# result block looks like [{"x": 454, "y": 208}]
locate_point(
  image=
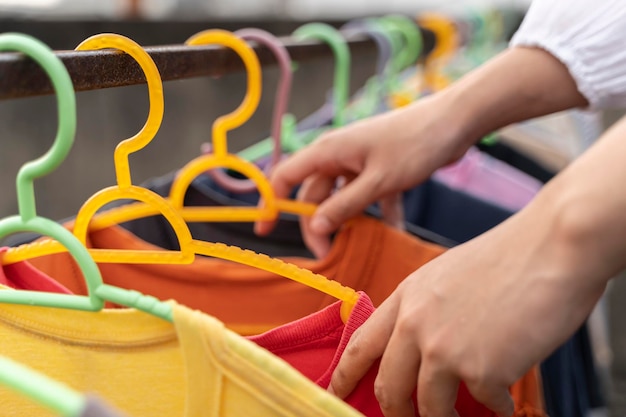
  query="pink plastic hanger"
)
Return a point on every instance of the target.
[{"x": 280, "y": 107}]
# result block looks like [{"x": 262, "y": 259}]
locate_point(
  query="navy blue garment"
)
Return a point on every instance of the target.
[
  {"x": 570, "y": 382},
  {"x": 451, "y": 213}
]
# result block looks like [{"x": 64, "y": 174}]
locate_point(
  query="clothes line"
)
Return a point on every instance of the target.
[{"x": 93, "y": 70}]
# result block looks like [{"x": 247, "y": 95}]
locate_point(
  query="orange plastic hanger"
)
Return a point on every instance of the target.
[{"x": 172, "y": 208}]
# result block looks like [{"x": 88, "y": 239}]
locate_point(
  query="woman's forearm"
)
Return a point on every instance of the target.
[
  {"x": 519, "y": 84},
  {"x": 587, "y": 206}
]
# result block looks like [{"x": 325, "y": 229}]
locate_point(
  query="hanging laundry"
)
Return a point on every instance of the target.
[
  {"x": 146, "y": 366},
  {"x": 366, "y": 255},
  {"x": 487, "y": 178}
]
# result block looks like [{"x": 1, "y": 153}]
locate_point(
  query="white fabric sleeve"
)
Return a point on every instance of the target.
[{"x": 589, "y": 37}]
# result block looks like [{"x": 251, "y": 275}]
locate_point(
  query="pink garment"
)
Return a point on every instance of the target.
[{"x": 490, "y": 179}]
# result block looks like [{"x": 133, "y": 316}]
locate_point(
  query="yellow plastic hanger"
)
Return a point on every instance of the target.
[
  {"x": 220, "y": 158},
  {"x": 172, "y": 208},
  {"x": 446, "y": 45}
]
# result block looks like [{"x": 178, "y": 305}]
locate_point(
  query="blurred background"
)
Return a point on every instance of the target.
[{"x": 234, "y": 9}]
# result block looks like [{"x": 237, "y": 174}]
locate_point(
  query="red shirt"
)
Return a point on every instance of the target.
[
  {"x": 23, "y": 276},
  {"x": 314, "y": 345}
]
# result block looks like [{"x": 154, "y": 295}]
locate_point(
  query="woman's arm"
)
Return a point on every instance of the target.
[{"x": 384, "y": 155}]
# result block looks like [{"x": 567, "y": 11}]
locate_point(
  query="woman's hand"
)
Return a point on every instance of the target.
[
  {"x": 370, "y": 160},
  {"x": 483, "y": 313}
]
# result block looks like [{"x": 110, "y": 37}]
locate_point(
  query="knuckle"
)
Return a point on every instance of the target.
[
  {"x": 326, "y": 140},
  {"x": 277, "y": 173},
  {"x": 482, "y": 391},
  {"x": 479, "y": 382},
  {"x": 340, "y": 211},
  {"x": 307, "y": 188},
  {"x": 382, "y": 394},
  {"x": 339, "y": 378},
  {"x": 376, "y": 181},
  {"x": 354, "y": 347},
  {"x": 423, "y": 409},
  {"x": 402, "y": 286},
  {"x": 407, "y": 324},
  {"x": 469, "y": 374},
  {"x": 434, "y": 352},
  {"x": 359, "y": 348}
]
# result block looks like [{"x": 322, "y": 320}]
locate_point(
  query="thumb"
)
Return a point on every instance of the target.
[{"x": 345, "y": 203}]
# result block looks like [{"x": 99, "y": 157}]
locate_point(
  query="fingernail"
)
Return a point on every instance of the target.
[{"x": 321, "y": 225}]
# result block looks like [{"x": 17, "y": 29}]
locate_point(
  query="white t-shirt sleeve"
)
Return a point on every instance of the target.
[{"x": 589, "y": 37}]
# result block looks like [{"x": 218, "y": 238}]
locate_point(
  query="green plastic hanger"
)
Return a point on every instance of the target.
[
  {"x": 414, "y": 42},
  {"x": 399, "y": 55},
  {"x": 411, "y": 36},
  {"x": 52, "y": 394},
  {"x": 479, "y": 38},
  {"x": 341, "y": 84},
  {"x": 28, "y": 220}
]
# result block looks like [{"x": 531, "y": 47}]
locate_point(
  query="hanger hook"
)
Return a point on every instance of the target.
[
  {"x": 412, "y": 36},
  {"x": 66, "y": 104},
  {"x": 155, "y": 93},
  {"x": 341, "y": 50},
  {"x": 250, "y": 102},
  {"x": 446, "y": 42},
  {"x": 382, "y": 39},
  {"x": 387, "y": 52},
  {"x": 397, "y": 44}
]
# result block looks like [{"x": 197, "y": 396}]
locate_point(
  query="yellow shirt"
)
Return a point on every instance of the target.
[{"x": 148, "y": 367}]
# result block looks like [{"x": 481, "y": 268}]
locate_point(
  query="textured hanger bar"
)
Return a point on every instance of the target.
[{"x": 93, "y": 70}]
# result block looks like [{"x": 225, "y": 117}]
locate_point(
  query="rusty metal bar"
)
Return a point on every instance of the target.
[{"x": 91, "y": 70}]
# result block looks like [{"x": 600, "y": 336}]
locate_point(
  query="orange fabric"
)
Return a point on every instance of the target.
[
  {"x": 366, "y": 255},
  {"x": 528, "y": 395}
]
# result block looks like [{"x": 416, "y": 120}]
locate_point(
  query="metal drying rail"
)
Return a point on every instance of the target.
[{"x": 92, "y": 70}]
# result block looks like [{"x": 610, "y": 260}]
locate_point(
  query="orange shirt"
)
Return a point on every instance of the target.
[{"x": 366, "y": 255}]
